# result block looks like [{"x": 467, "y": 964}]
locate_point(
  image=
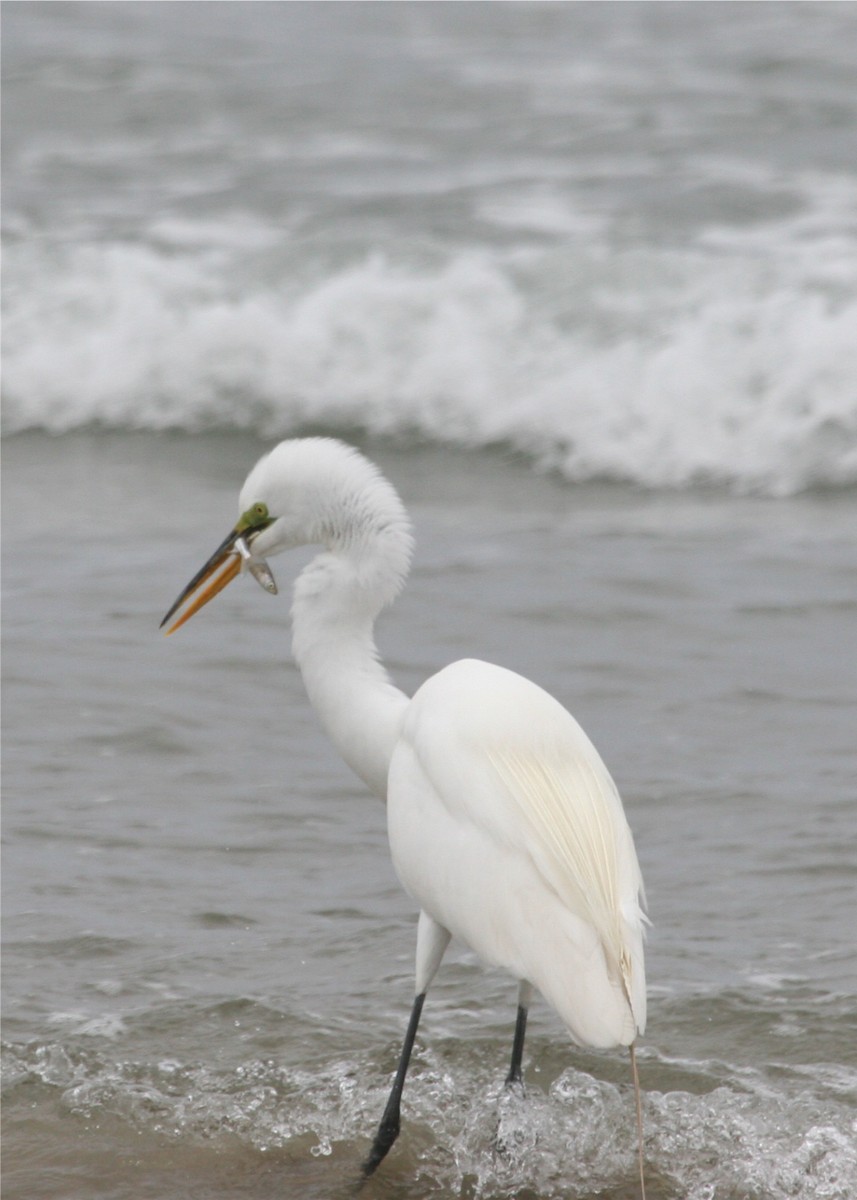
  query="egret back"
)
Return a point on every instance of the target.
[{"x": 507, "y": 828}]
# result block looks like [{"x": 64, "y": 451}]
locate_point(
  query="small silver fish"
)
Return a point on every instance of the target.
[{"x": 257, "y": 567}]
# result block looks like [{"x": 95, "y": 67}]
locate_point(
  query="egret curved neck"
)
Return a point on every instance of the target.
[{"x": 333, "y": 615}]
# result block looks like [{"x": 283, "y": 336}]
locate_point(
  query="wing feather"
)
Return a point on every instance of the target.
[
  {"x": 503, "y": 759},
  {"x": 574, "y": 817}
]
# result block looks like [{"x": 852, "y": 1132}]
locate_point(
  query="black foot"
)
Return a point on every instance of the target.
[
  {"x": 387, "y": 1133},
  {"x": 515, "y": 1083},
  {"x": 388, "y": 1130},
  {"x": 513, "y": 1133},
  {"x": 514, "y": 1080}
]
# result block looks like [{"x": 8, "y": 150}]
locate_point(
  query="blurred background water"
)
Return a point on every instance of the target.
[{"x": 581, "y": 278}]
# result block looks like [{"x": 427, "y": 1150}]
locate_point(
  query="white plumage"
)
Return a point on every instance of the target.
[
  {"x": 507, "y": 829},
  {"x": 504, "y": 823}
]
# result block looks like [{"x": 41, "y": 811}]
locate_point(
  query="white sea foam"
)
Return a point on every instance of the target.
[
  {"x": 107, "y": 1025},
  {"x": 733, "y": 361},
  {"x": 573, "y": 1140}
]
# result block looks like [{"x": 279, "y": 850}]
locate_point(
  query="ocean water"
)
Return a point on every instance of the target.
[{"x": 581, "y": 278}]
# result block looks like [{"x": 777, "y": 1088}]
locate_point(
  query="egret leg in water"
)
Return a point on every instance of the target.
[
  {"x": 504, "y": 823},
  {"x": 515, "y": 1076},
  {"x": 388, "y": 1130}
]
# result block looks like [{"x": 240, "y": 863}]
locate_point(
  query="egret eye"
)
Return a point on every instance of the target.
[{"x": 255, "y": 518}]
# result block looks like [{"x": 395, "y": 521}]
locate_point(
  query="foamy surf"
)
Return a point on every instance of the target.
[
  {"x": 662, "y": 368},
  {"x": 464, "y": 1135}
]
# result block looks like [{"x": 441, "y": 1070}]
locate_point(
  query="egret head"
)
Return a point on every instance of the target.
[
  {"x": 306, "y": 491},
  {"x": 235, "y": 551}
]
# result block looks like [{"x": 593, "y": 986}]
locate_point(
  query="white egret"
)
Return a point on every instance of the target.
[{"x": 504, "y": 824}]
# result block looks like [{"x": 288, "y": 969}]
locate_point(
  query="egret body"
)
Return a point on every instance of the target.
[{"x": 504, "y": 824}]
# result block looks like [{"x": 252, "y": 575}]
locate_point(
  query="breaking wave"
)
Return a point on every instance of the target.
[{"x": 715, "y": 364}]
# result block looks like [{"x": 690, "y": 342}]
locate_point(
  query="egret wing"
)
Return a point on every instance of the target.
[
  {"x": 505, "y": 758},
  {"x": 575, "y": 831}
]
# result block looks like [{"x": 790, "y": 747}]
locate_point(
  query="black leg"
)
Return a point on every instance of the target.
[
  {"x": 515, "y": 1075},
  {"x": 388, "y": 1130}
]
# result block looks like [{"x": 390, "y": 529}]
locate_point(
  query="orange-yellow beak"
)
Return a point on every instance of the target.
[{"x": 221, "y": 568}]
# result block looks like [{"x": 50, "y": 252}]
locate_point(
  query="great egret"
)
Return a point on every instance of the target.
[{"x": 504, "y": 823}]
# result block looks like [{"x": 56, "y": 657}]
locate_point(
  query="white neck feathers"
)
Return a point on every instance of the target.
[{"x": 366, "y": 534}]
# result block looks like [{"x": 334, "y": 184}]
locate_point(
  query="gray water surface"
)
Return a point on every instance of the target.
[
  {"x": 517, "y": 251},
  {"x": 208, "y": 958}
]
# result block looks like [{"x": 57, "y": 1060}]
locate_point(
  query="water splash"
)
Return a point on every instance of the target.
[{"x": 464, "y": 1135}]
